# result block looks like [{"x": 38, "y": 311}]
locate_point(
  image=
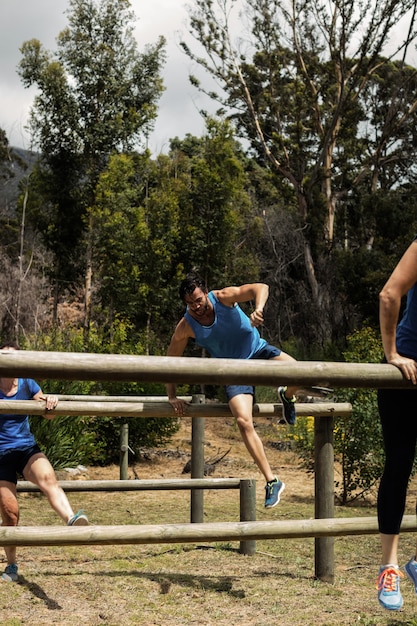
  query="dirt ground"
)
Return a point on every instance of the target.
[{"x": 180, "y": 585}]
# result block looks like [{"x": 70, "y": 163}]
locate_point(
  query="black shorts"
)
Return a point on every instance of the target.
[{"x": 13, "y": 462}]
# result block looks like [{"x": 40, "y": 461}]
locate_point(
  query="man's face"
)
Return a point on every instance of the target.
[{"x": 197, "y": 302}]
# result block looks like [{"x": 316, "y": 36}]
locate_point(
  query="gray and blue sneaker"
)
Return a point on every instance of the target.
[
  {"x": 411, "y": 571},
  {"x": 10, "y": 573},
  {"x": 79, "y": 519},
  {"x": 288, "y": 406},
  {"x": 388, "y": 586},
  {"x": 273, "y": 491}
]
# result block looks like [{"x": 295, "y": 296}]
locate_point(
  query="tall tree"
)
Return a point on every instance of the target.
[
  {"x": 303, "y": 89},
  {"x": 97, "y": 95}
]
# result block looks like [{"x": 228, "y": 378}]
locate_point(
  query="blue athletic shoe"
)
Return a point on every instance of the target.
[
  {"x": 388, "y": 585},
  {"x": 411, "y": 571},
  {"x": 288, "y": 406},
  {"x": 273, "y": 491},
  {"x": 79, "y": 519},
  {"x": 10, "y": 573}
]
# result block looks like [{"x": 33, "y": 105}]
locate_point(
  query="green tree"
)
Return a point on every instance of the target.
[
  {"x": 307, "y": 85},
  {"x": 96, "y": 95},
  {"x": 156, "y": 219}
]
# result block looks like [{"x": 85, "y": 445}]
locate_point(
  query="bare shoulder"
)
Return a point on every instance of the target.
[{"x": 183, "y": 330}]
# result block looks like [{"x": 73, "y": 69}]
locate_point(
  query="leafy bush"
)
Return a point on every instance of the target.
[
  {"x": 68, "y": 440},
  {"x": 358, "y": 442},
  {"x": 358, "y": 439}
]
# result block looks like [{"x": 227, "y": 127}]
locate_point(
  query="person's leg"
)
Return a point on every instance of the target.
[
  {"x": 40, "y": 472},
  {"x": 241, "y": 408},
  {"x": 289, "y": 391},
  {"x": 9, "y": 510},
  {"x": 399, "y": 429}
]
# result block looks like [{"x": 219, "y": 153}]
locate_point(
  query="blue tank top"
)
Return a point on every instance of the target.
[
  {"x": 230, "y": 336},
  {"x": 407, "y": 327},
  {"x": 14, "y": 429}
]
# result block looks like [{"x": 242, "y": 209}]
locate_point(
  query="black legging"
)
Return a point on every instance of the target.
[{"x": 398, "y": 414}]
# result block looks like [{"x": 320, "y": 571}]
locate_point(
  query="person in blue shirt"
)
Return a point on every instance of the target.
[
  {"x": 20, "y": 454},
  {"x": 217, "y": 323},
  {"x": 397, "y": 410}
]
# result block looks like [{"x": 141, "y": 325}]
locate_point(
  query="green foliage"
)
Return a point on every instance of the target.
[
  {"x": 69, "y": 440},
  {"x": 358, "y": 445},
  {"x": 358, "y": 439}
]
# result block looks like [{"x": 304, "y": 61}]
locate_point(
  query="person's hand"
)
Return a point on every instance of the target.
[
  {"x": 178, "y": 405},
  {"x": 257, "y": 317},
  {"x": 50, "y": 404},
  {"x": 407, "y": 366}
]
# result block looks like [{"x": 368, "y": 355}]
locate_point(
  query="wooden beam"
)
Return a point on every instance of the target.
[
  {"x": 166, "y": 484},
  {"x": 191, "y": 533},
  {"x": 121, "y": 367},
  {"x": 164, "y": 409}
]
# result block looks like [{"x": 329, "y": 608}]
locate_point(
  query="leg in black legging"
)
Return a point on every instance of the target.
[{"x": 398, "y": 413}]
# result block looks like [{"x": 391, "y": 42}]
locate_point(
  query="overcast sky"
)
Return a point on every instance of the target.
[
  {"x": 21, "y": 20},
  {"x": 178, "y": 112}
]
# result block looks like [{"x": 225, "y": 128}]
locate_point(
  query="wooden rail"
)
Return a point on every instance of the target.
[
  {"x": 164, "y": 409},
  {"x": 88, "y": 366},
  {"x": 191, "y": 533}
]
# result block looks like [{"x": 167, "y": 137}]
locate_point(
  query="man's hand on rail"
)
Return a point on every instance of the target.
[{"x": 179, "y": 406}]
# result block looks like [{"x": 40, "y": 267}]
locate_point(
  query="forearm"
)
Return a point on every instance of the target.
[
  {"x": 171, "y": 390},
  {"x": 389, "y": 309}
]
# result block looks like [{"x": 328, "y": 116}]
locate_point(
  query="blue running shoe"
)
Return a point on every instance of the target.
[
  {"x": 10, "y": 573},
  {"x": 79, "y": 519},
  {"x": 388, "y": 585},
  {"x": 273, "y": 491},
  {"x": 411, "y": 571},
  {"x": 288, "y": 406}
]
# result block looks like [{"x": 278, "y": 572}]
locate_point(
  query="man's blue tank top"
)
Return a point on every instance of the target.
[{"x": 230, "y": 336}]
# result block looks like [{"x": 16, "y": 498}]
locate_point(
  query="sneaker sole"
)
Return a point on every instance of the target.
[
  {"x": 80, "y": 521},
  {"x": 410, "y": 576},
  {"x": 271, "y": 506}
]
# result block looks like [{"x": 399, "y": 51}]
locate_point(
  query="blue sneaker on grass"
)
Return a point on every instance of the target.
[
  {"x": 411, "y": 571},
  {"x": 388, "y": 585},
  {"x": 273, "y": 491},
  {"x": 10, "y": 573},
  {"x": 79, "y": 519},
  {"x": 288, "y": 406}
]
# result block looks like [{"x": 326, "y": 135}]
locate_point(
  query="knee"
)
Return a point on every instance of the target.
[
  {"x": 244, "y": 424},
  {"x": 47, "y": 482},
  {"x": 10, "y": 513}
]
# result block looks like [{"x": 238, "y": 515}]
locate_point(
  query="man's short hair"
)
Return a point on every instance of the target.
[{"x": 190, "y": 283}]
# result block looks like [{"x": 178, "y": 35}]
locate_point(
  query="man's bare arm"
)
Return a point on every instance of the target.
[{"x": 251, "y": 291}]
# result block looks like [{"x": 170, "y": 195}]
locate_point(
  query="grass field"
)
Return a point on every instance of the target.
[{"x": 179, "y": 585}]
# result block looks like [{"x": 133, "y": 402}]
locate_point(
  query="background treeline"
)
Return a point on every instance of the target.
[{"x": 305, "y": 179}]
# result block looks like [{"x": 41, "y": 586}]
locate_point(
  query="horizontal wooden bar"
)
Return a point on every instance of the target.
[
  {"x": 164, "y": 409},
  {"x": 122, "y": 367},
  {"x": 138, "y": 485},
  {"x": 191, "y": 533},
  {"x": 85, "y": 398}
]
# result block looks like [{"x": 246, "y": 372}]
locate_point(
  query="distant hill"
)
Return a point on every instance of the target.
[{"x": 11, "y": 173}]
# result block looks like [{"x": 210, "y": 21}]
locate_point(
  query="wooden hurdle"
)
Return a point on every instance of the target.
[{"x": 81, "y": 366}]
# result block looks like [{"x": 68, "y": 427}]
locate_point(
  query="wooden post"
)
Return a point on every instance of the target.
[
  {"x": 124, "y": 451},
  {"x": 324, "y": 495},
  {"x": 248, "y": 512},
  {"x": 197, "y": 462}
]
